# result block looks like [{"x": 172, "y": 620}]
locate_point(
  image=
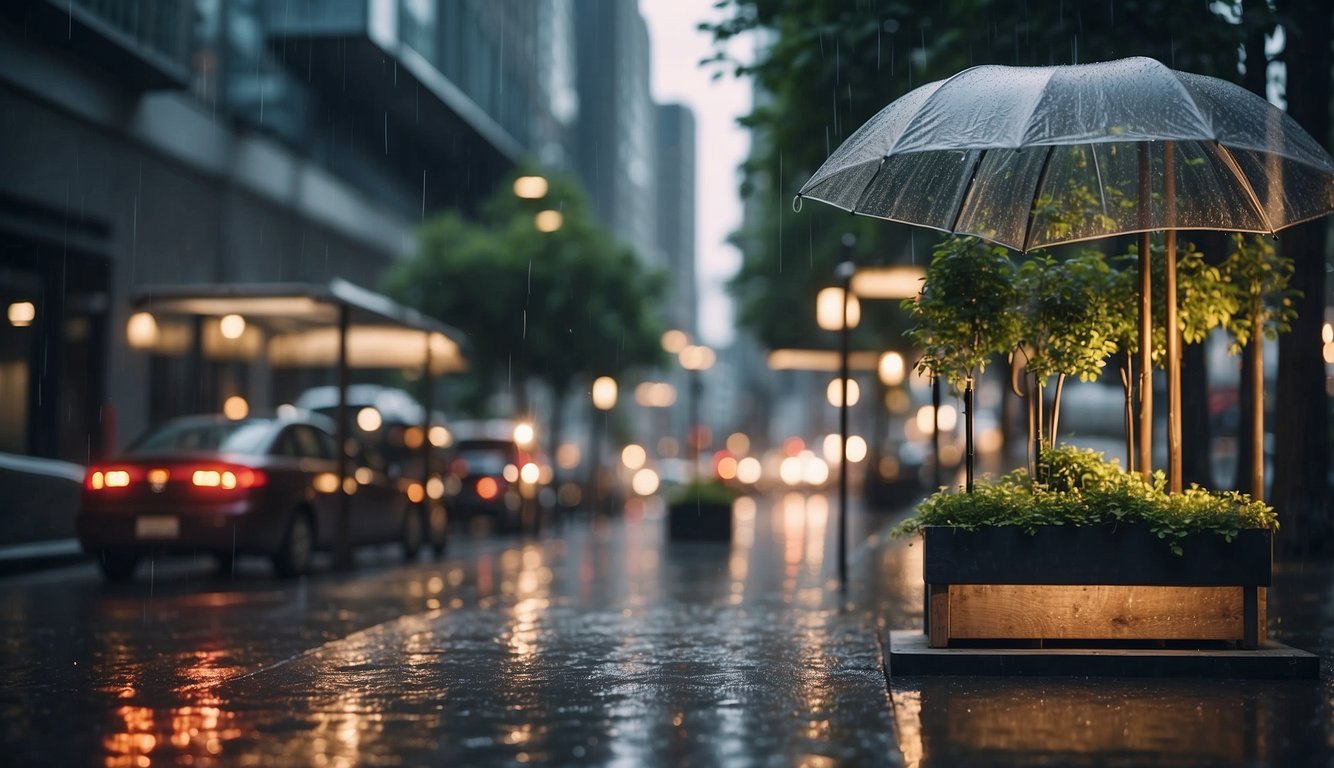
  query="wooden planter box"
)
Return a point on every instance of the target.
[{"x": 1094, "y": 584}]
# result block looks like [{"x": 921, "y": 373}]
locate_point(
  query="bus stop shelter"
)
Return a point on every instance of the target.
[{"x": 336, "y": 325}]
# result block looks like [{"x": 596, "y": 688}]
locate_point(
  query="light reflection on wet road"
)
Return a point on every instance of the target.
[{"x": 598, "y": 643}]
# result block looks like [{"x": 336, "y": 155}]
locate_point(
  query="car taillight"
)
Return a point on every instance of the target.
[
  {"x": 227, "y": 477},
  {"x": 103, "y": 478},
  {"x": 487, "y": 488}
]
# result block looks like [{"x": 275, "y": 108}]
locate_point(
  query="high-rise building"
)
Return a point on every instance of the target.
[
  {"x": 616, "y": 148},
  {"x": 676, "y": 212},
  {"x": 160, "y": 141}
]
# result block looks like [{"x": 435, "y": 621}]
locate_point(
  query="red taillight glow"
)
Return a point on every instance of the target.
[
  {"x": 487, "y": 488},
  {"x": 227, "y": 477},
  {"x": 101, "y": 478}
]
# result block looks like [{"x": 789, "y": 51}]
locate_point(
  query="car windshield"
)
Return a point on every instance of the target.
[{"x": 222, "y": 437}]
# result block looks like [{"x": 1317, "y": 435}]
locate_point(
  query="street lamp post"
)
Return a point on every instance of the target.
[
  {"x": 695, "y": 358},
  {"x": 846, "y": 313},
  {"x": 604, "y": 399}
]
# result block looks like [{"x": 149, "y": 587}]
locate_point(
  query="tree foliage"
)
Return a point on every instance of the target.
[
  {"x": 558, "y": 307},
  {"x": 824, "y": 67},
  {"x": 966, "y": 311}
]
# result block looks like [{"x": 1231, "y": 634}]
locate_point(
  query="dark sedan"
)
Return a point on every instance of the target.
[{"x": 266, "y": 486}]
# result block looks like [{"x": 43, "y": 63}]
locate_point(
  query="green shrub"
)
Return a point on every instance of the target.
[
  {"x": 703, "y": 492},
  {"x": 1083, "y": 488}
]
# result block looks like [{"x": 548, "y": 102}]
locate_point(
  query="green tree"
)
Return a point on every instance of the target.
[
  {"x": 1069, "y": 329},
  {"x": 558, "y": 307},
  {"x": 965, "y": 315},
  {"x": 824, "y": 67},
  {"x": 1259, "y": 277}
]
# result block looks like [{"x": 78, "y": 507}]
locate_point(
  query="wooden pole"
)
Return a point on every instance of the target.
[
  {"x": 1173, "y": 331},
  {"x": 1145, "y": 321},
  {"x": 1256, "y": 352}
]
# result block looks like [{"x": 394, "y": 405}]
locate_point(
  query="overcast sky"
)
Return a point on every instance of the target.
[{"x": 720, "y": 145}]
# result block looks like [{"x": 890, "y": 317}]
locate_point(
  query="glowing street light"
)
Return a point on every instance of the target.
[
  {"x": 829, "y": 302},
  {"x": 530, "y": 187},
  {"x": 891, "y": 369},
  {"x": 141, "y": 331},
  {"x": 548, "y": 220},
  {"x": 604, "y": 393}
]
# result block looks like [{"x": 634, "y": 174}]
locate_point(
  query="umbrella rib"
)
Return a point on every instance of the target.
[
  {"x": 1037, "y": 190},
  {"x": 968, "y": 186},
  {"x": 866, "y": 189},
  {"x": 1231, "y": 163}
]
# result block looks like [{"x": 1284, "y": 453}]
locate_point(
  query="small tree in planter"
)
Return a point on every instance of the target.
[
  {"x": 1259, "y": 277},
  {"x": 1069, "y": 329},
  {"x": 964, "y": 315},
  {"x": 1205, "y": 301}
]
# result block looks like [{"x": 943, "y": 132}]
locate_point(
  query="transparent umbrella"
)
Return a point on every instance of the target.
[{"x": 1029, "y": 157}]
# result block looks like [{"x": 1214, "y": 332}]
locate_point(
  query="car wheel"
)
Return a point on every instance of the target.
[
  {"x": 293, "y": 557},
  {"x": 413, "y": 534},
  {"x": 118, "y": 566}
]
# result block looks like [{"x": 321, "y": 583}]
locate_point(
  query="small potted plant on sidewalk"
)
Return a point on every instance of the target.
[{"x": 701, "y": 510}]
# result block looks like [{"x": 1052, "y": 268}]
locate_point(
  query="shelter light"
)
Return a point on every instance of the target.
[
  {"x": 548, "y": 220},
  {"x": 523, "y": 433},
  {"x": 834, "y": 393},
  {"x": 1327, "y": 333},
  {"x": 440, "y": 437},
  {"x": 604, "y": 393},
  {"x": 891, "y": 369},
  {"x": 530, "y": 187},
  {"x": 231, "y": 326},
  {"x": 645, "y": 482},
  {"x": 141, "y": 331},
  {"x": 674, "y": 341},
  {"x": 235, "y": 408},
  {"x": 22, "y": 313},
  {"x": 633, "y": 456},
  {"x": 369, "y": 419},
  {"x": 898, "y": 282},
  {"x": 829, "y": 306}
]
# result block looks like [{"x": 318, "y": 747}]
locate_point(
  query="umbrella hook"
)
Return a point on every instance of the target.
[{"x": 796, "y": 203}]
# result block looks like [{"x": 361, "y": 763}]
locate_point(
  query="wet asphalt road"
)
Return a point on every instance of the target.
[{"x": 597, "y": 643}]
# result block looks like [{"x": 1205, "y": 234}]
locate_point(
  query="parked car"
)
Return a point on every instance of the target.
[
  {"x": 264, "y": 485},
  {"x": 497, "y": 479}
]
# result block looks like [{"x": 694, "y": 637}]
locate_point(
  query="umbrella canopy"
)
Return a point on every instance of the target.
[{"x": 1034, "y": 156}]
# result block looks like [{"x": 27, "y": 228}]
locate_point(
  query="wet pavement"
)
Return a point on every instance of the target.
[{"x": 598, "y": 643}]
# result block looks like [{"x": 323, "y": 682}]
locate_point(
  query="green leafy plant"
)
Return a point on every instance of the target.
[
  {"x": 705, "y": 492},
  {"x": 1082, "y": 488}
]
